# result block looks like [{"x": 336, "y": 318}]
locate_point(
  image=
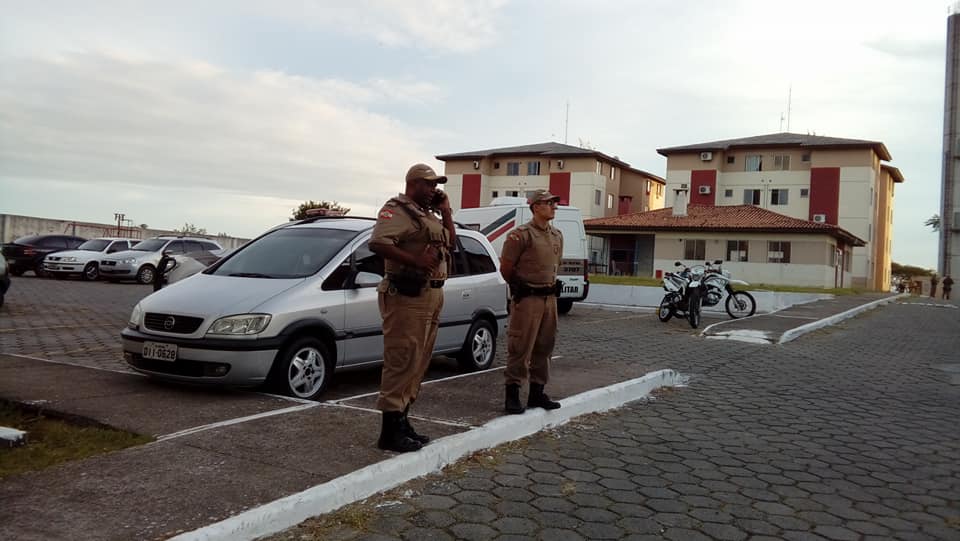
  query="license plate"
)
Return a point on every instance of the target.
[
  {"x": 571, "y": 289},
  {"x": 159, "y": 352}
]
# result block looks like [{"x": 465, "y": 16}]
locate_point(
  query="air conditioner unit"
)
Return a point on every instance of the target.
[
  {"x": 706, "y": 156},
  {"x": 683, "y": 186},
  {"x": 820, "y": 218},
  {"x": 704, "y": 190},
  {"x": 559, "y": 164},
  {"x": 476, "y": 164}
]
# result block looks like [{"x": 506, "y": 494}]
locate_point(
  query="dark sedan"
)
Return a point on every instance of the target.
[
  {"x": 27, "y": 253},
  {"x": 4, "y": 279}
]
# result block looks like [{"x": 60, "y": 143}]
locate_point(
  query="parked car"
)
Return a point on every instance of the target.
[
  {"x": 85, "y": 260},
  {"x": 27, "y": 253},
  {"x": 4, "y": 279},
  {"x": 173, "y": 268},
  {"x": 140, "y": 262},
  {"x": 299, "y": 302}
]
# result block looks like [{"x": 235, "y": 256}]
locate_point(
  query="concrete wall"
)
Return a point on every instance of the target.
[
  {"x": 13, "y": 226},
  {"x": 650, "y": 297}
]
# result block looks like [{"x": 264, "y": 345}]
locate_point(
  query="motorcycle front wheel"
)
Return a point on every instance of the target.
[
  {"x": 665, "y": 312},
  {"x": 693, "y": 312},
  {"x": 741, "y": 304}
]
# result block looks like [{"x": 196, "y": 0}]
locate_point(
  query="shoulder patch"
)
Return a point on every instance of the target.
[{"x": 386, "y": 214}]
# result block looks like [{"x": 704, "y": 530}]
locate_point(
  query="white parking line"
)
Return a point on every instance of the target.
[
  {"x": 416, "y": 417},
  {"x": 34, "y": 358},
  {"x": 238, "y": 420}
]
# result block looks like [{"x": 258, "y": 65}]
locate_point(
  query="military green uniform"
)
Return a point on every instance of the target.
[
  {"x": 535, "y": 253},
  {"x": 409, "y": 322}
]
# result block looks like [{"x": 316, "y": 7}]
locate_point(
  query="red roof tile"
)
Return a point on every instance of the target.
[{"x": 740, "y": 218}]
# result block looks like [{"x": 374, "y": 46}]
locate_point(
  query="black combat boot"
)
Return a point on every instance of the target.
[
  {"x": 392, "y": 437},
  {"x": 512, "y": 404},
  {"x": 539, "y": 399},
  {"x": 408, "y": 430}
]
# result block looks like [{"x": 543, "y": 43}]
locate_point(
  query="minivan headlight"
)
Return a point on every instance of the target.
[
  {"x": 240, "y": 325},
  {"x": 135, "y": 315}
]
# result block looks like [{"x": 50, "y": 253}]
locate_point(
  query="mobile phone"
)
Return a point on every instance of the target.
[{"x": 438, "y": 197}]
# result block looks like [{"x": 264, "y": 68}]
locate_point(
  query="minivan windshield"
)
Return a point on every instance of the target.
[
  {"x": 95, "y": 245},
  {"x": 287, "y": 253},
  {"x": 149, "y": 245}
]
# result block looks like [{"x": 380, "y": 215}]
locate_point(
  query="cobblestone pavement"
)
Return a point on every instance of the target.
[{"x": 846, "y": 433}]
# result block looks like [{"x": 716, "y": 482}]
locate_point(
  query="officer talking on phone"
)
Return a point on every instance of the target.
[{"x": 415, "y": 245}]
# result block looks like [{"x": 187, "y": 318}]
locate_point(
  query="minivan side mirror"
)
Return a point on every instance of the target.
[
  {"x": 678, "y": 264},
  {"x": 367, "y": 279},
  {"x": 718, "y": 262}
]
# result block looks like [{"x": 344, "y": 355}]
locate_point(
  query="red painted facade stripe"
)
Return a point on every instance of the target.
[
  {"x": 825, "y": 193},
  {"x": 470, "y": 194},
  {"x": 707, "y": 177},
  {"x": 560, "y": 185},
  {"x": 506, "y": 227}
]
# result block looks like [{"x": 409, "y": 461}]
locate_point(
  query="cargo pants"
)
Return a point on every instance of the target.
[
  {"x": 409, "y": 332},
  {"x": 531, "y": 336}
]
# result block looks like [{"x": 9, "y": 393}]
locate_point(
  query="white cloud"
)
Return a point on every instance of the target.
[{"x": 101, "y": 120}]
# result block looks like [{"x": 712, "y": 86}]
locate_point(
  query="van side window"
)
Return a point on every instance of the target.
[
  {"x": 364, "y": 260},
  {"x": 478, "y": 260},
  {"x": 459, "y": 267}
]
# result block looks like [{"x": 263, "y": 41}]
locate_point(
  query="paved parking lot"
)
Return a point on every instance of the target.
[{"x": 846, "y": 433}]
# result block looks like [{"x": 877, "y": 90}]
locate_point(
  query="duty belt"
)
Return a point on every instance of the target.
[{"x": 542, "y": 291}]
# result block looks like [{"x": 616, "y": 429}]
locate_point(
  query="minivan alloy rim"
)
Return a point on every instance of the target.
[
  {"x": 307, "y": 372},
  {"x": 482, "y": 346}
]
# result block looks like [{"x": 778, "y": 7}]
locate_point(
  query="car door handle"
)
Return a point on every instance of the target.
[{"x": 466, "y": 293}]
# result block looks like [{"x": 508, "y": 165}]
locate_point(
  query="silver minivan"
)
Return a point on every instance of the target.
[{"x": 299, "y": 302}]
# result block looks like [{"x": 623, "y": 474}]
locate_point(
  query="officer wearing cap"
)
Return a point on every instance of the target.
[
  {"x": 529, "y": 262},
  {"x": 415, "y": 245}
]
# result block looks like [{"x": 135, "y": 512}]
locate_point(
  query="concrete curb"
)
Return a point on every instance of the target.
[
  {"x": 291, "y": 510},
  {"x": 836, "y": 318}
]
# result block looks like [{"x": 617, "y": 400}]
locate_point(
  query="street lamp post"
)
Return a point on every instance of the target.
[{"x": 119, "y": 217}]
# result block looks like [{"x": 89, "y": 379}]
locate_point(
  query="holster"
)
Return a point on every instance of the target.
[
  {"x": 558, "y": 288},
  {"x": 409, "y": 283}
]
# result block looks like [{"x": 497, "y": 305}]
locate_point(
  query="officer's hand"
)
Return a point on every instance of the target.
[{"x": 441, "y": 202}]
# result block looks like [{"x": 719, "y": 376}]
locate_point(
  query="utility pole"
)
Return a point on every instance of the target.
[{"x": 119, "y": 217}]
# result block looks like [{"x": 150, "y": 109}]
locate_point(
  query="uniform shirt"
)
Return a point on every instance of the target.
[
  {"x": 396, "y": 226},
  {"x": 535, "y": 253}
]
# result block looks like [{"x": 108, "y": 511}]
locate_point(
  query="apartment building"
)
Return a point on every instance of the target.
[
  {"x": 828, "y": 180},
  {"x": 598, "y": 184}
]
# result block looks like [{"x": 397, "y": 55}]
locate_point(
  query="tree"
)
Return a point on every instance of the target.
[
  {"x": 300, "y": 212},
  {"x": 933, "y": 222},
  {"x": 905, "y": 272},
  {"x": 190, "y": 229}
]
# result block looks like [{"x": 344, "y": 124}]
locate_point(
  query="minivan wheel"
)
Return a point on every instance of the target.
[
  {"x": 479, "y": 347},
  {"x": 91, "y": 271},
  {"x": 564, "y": 306},
  {"x": 303, "y": 368},
  {"x": 145, "y": 275}
]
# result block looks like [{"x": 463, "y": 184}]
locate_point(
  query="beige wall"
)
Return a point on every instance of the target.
[{"x": 634, "y": 184}]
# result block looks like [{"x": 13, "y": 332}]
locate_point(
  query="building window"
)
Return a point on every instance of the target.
[
  {"x": 495, "y": 193},
  {"x": 512, "y": 193},
  {"x": 533, "y": 168},
  {"x": 737, "y": 250},
  {"x": 694, "y": 249},
  {"x": 613, "y": 172},
  {"x": 648, "y": 187},
  {"x": 804, "y": 192},
  {"x": 731, "y": 159},
  {"x": 609, "y": 200},
  {"x": 846, "y": 260},
  {"x": 751, "y": 197},
  {"x": 778, "y": 196},
  {"x": 805, "y": 157},
  {"x": 596, "y": 197},
  {"x": 781, "y": 162},
  {"x": 728, "y": 193},
  {"x": 513, "y": 169},
  {"x": 834, "y": 256},
  {"x": 778, "y": 252},
  {"x": 754, "y": 162},
  {"x": 659, "y": 190},
  {"x": 496, "y": 165}
]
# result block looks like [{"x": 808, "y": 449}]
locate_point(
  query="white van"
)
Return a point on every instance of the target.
[{"x": 506, "y": 213}]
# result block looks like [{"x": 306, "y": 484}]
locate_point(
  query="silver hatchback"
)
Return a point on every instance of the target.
[{"x": 299, "y": 302}]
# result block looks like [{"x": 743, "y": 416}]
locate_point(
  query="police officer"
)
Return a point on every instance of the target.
[
  {"x": 529, "y": 262},
  {"x": 415, "y": 245}
]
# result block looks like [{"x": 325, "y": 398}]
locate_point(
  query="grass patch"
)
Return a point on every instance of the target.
[
  {"x": 52, "y": 441},
  {"x": 645, "y": 281}
]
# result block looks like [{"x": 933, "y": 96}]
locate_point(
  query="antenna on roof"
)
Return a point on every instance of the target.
[
  {"x": 789, "y": 100},
  {"x": 566, "y": 123}
]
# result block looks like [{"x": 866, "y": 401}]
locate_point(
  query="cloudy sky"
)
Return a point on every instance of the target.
[{"x": 229, "y": 113}]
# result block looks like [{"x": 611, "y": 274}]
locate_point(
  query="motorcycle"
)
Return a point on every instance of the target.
[
  {"x": 717, "y": 282},
  {"x": 684, "y": 296}
]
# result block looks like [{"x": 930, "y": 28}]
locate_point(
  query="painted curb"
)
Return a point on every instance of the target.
[
  {"x": 834, "y": 319},
  {"x": 291, "y": 510}
]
